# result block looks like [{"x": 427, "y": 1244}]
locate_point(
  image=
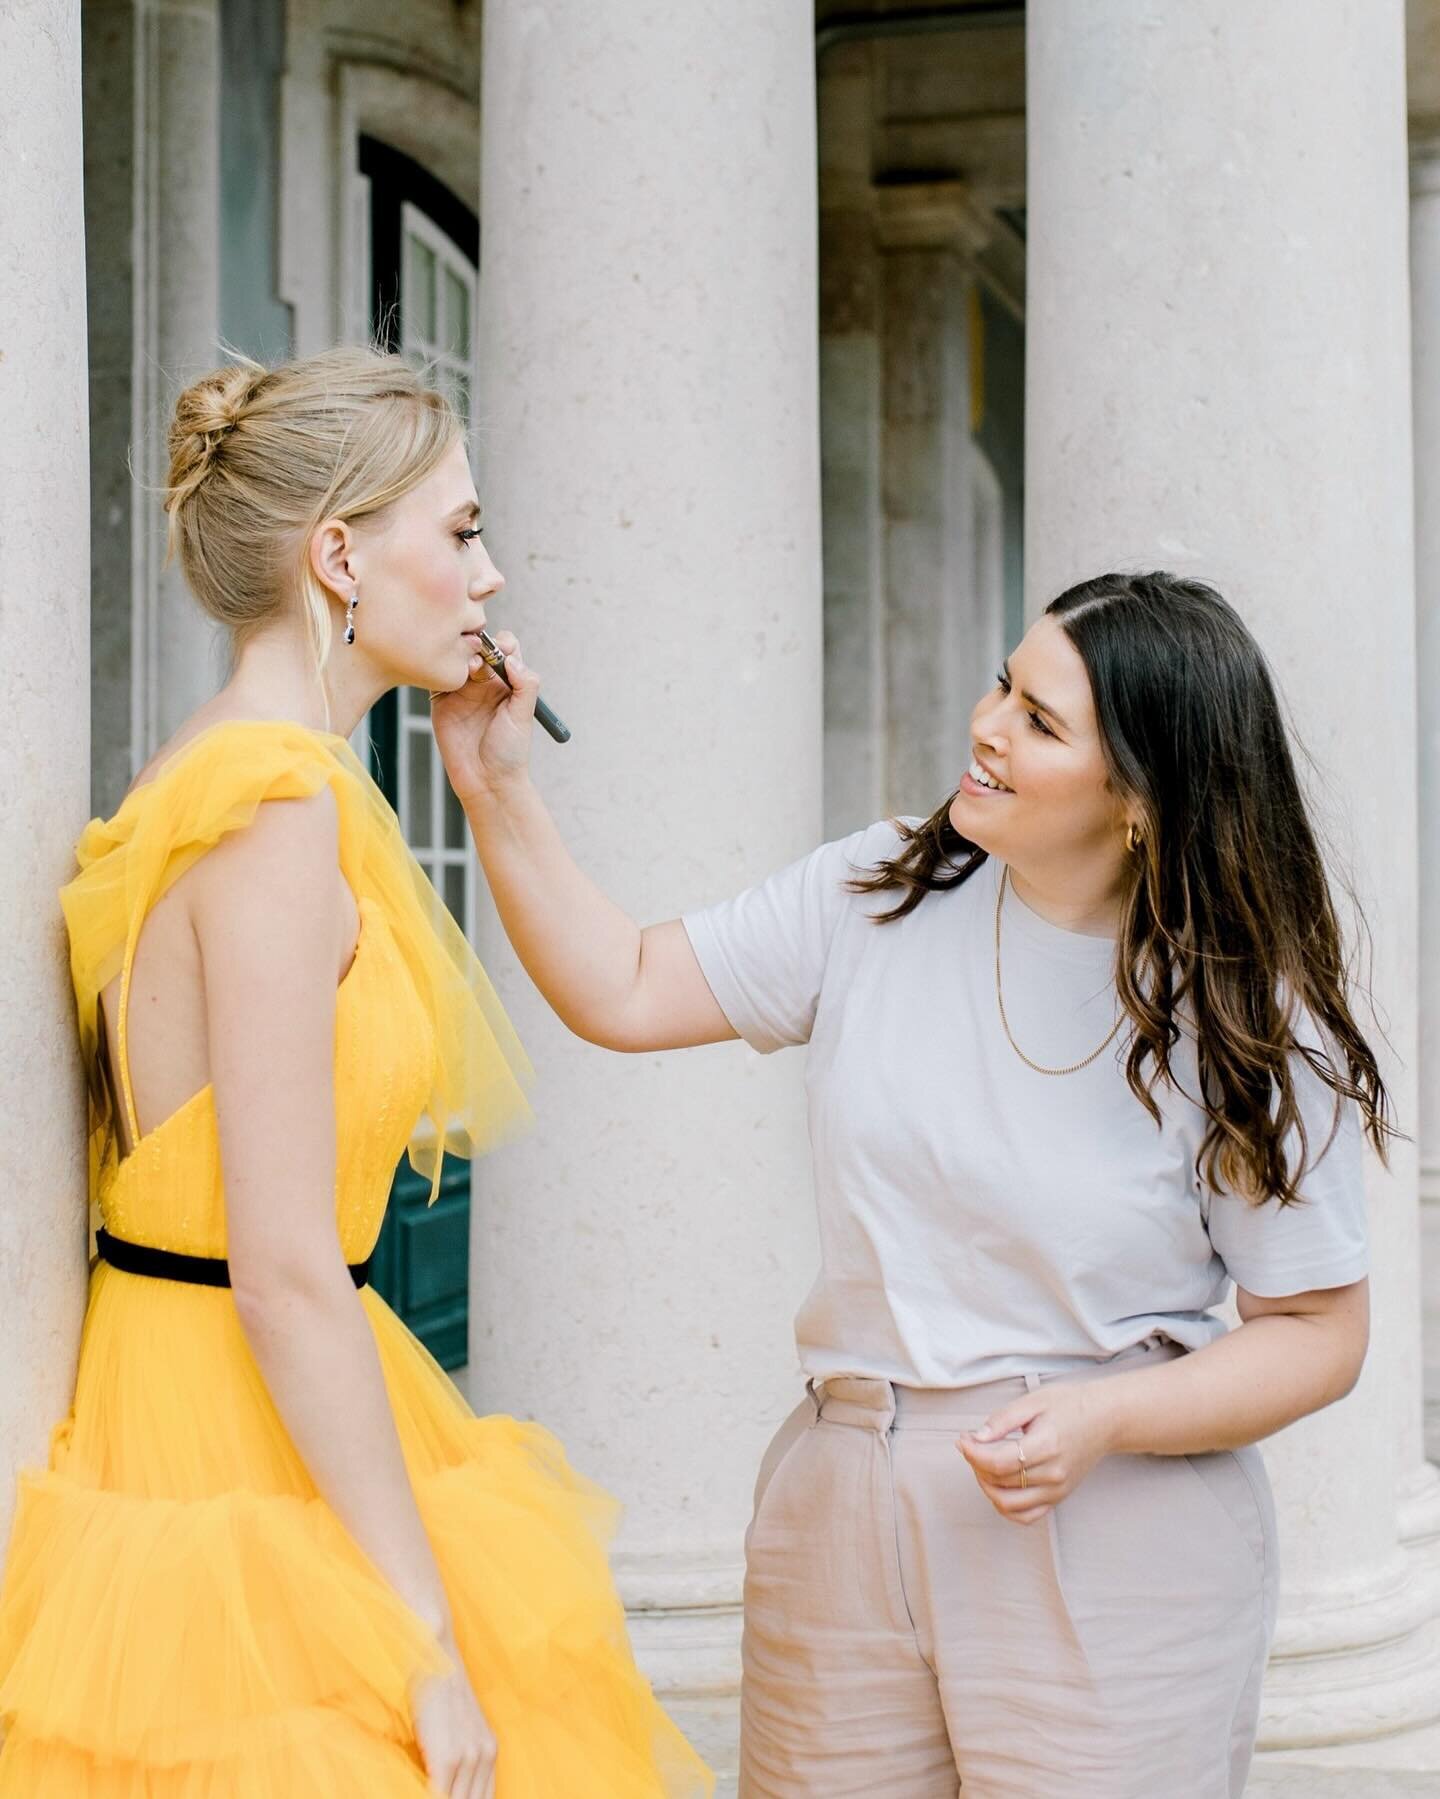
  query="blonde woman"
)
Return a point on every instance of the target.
[{"x": 273, "y": 1552}]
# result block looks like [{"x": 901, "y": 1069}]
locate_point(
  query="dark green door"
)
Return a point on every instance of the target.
[{"x": 424, "y": 249}]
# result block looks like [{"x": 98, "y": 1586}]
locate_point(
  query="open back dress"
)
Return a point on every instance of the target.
[{"x": 182, "y": 1615}]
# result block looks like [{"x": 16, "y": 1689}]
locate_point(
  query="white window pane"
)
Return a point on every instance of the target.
[
  {"x": 419, "y": 299},
  {"x": 457, "y": 316}
]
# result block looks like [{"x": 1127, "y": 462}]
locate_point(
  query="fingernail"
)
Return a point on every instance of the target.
[{"x": 983, "y": 1434}]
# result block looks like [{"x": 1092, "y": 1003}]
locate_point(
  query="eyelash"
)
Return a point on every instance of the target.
[
  {"x": 470, "y": 532},
  {"x": 1002, "y": 681}
]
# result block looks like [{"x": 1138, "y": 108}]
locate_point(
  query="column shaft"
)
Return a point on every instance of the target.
[
  {"x": 1425, "y": 331},
  {"x": 44, "y": 659},
  {"x": 651, "y": 471},
  {"x": 943, "y": 620},
  {"x": 177, "y": 326},
  {"x": 1219, "y": 382},
  {"x": 851, "y": 431},
  {"x": 928, "y": 522}
]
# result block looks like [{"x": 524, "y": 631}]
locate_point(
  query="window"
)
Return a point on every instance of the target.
[{"x": 420, "y": 247}]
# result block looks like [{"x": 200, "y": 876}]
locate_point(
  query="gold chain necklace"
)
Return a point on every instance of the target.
[{"x": 1074, "y": 1067}]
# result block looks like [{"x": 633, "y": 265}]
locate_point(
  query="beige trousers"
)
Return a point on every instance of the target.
[{"x": 904, "y": 1641}]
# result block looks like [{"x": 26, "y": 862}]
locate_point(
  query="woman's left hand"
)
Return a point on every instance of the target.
[{"x": 1063, "y": 1430}]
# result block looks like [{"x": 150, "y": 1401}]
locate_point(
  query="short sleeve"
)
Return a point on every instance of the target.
[
  {"x": 1273, "y": 1250},
  {"x": 764, "y": 952}
]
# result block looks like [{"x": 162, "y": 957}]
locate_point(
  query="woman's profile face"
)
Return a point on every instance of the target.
[
  {"x": 1036, "y": 735},
  {"x": 424, "y": 576}
]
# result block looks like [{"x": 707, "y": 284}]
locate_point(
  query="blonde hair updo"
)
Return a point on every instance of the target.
[{"x": 259, "y": 457}]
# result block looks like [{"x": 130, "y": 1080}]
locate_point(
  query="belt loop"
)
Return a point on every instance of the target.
[{"x": 1032, "y": 1383}]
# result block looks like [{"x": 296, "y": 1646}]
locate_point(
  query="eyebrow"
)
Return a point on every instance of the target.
[
  {"x": 1036, "y": 702},
  {"x": 471, "y": 509}
]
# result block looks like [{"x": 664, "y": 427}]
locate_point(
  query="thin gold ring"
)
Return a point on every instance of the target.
[{"x": 1024, "y": 1471}]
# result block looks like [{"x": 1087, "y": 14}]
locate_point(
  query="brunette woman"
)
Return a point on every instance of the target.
[{"x": 1082, "y": 1055}]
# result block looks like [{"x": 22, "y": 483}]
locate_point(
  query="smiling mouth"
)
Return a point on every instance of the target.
[{"x": 982, "y": 778}]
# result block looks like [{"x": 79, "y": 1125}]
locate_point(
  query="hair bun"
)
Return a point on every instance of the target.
[
  {"x": 260, "y": 458},
  {"x": 205, "y": 415}
]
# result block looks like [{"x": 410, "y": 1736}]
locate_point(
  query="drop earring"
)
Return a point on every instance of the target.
[{"x": 350, "y": 616}]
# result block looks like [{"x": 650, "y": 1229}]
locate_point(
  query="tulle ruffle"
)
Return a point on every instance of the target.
[
  {"x": 237, "y": 1642},
  {"x": 161, "y": 1631},
  {"x": 322, "y": 1755}
]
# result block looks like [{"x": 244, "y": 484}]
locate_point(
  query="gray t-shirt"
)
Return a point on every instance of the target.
[{"x": 978, "y": 1219}]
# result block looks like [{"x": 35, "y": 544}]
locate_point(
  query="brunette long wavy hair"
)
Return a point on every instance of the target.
[{"x": 1227, "y": 922}]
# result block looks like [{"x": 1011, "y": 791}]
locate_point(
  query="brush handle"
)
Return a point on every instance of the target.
[
  {"x": 551, "y": 722},
  {"x": 547, "y": 719}
]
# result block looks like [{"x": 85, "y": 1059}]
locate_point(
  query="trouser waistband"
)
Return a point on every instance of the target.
[{"x": 872, "y": 1404}]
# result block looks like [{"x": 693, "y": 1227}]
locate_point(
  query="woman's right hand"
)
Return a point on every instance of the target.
[
  {"x": 456, "y": 1742},
  {"x": 484, "y": 728}
]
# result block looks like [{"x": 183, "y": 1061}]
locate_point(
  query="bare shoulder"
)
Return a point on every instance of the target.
[{"x": 274, "y": 886}]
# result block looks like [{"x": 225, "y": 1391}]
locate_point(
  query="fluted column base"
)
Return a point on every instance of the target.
[
  {"x": 1353, "y": 1689},
  {"x": 1407, "y": 1763},
  {"x": 1358, "y": 1662},
  {"x": 684, "y": 1613}
]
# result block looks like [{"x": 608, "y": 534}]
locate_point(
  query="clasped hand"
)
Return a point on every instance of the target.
[{"x": 1051, "y": 1439}]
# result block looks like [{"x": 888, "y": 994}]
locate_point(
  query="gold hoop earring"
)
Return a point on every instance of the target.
[{"x": 1133, "y": 839}]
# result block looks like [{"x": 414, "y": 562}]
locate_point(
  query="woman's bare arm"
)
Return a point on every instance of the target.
[
  {"x": 1290, "y": 1357},
  {"x": 607, "y": 980},
  {"x": 267, "y": 909}
]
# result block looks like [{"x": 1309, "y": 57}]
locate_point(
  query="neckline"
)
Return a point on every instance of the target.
[
  {"x": 181, "y": 755},
  {"x": 1024, "y": 922}
]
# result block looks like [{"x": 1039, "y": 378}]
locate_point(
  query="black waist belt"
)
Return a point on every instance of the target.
[{"x": 170, "y": 1265}]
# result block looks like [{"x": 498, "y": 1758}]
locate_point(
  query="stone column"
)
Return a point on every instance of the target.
[
  {"x": 117, "y": 506},
  {"x": 1425, "y": 332},
  {"x": 851, "y": 433},
  {"x": 44, "y": 659},
  {"x": 177, "y": 658},
  {"x": 941, "y": 641},
  {"x": 651, "y": 474},
  {"x": 1219, "y": 383}
]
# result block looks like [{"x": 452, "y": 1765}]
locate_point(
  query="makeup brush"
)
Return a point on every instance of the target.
[{"x": 495, "y": 662}]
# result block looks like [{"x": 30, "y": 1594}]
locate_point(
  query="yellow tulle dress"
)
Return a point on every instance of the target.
[{"x": 182, "y": 1616}]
